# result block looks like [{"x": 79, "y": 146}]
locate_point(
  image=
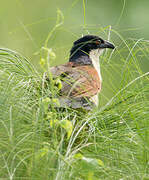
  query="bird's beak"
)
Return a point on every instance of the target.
[{"x": 107, "y": 44}]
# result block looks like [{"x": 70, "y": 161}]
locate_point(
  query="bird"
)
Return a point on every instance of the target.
[{"x": 80, "y": 77}]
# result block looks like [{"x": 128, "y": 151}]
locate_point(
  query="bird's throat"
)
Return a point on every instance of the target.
[{"x": 94, "y": 56}]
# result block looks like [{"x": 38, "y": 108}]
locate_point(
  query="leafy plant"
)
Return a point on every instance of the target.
[{"x": 39, "y": 141}]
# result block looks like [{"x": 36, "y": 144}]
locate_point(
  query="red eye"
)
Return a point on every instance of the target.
[{"x": 98, "y": 42}]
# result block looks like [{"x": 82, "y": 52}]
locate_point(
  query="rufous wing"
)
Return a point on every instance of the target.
[{"x": 77, "y": 80}]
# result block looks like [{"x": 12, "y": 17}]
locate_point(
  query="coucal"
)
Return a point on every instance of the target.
[{"x": 80, "y": 77}]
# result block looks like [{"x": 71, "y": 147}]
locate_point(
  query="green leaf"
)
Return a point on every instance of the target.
[
  {"x": 56, "y": 101},
  {"x": 93, "y": 162},
  {"x": 54, "y": 122},
  {"x": 42, "y": 152},
  {"x": 68, "y": 126},
  {"x": 78, "y": 156},
  {"x": 89, "y": 164},
  {"x": 42, "y": 62},
  {"x": 45, "y": 103},
  {"x": 58, "y": 82},
  {"x": 100, "y": 162}
]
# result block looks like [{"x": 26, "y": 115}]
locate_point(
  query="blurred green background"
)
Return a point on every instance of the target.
[{"x": 25, "y": 24}]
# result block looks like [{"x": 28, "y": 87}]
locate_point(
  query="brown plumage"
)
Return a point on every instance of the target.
[{"x": 77, "y": 80}]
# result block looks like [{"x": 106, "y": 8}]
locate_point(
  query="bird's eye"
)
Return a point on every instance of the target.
[{"x": 98, "y": 42}]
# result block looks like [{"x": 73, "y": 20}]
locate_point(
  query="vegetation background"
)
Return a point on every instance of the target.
[
  {"x": 112, "y": 142},
  {"x": 25, "y": 24}
]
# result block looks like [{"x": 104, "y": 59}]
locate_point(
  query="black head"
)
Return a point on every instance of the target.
[{"x": 84, "y": 45}]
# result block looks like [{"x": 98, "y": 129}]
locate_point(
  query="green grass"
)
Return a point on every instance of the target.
[{"x": 111, "y": 142}]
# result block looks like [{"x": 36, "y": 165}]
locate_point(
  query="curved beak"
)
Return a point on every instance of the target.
[{"x": 107, "y": 44}]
